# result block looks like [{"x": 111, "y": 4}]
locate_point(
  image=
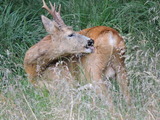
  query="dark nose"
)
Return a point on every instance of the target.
[{"x": 90, "y": 42}]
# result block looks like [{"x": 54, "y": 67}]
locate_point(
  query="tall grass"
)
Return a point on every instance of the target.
[{"x": 21, "y": 27}]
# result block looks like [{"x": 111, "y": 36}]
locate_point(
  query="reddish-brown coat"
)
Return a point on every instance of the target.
[
  {"x": 106, "y": 61},
  {"x": 106, "y": 58}
]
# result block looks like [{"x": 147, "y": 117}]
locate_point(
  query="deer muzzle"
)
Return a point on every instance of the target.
[{"x": 90, "y": 45}]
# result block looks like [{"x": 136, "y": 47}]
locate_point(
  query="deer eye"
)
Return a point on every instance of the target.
[{"x": 71, "y": 35}]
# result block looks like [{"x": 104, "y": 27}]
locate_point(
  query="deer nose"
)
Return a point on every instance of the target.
[{"x": 90, "y": 42}]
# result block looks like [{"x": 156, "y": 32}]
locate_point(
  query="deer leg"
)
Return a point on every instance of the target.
[
  {"x": 121, "y": 77},
  {"x": 101, "y": 89},
  {"x": 123, "y": 83}
]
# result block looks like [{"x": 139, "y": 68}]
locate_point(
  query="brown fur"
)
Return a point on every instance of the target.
[
  {"x": 106, "y": 58},
  {"x": 57, "y": 44},
  {"x": 106, "y": 61}
]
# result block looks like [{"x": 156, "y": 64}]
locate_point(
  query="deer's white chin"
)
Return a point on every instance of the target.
[{"x": 89, "y": 50}]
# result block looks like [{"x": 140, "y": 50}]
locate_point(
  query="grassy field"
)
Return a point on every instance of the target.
[{"x": 138, "y": 21}]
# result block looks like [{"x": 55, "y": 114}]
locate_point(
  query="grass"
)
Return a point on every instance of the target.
[{"x": 21, "y": 27}]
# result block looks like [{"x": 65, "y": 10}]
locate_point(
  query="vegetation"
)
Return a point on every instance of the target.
[{"x": 138, "y": 21}]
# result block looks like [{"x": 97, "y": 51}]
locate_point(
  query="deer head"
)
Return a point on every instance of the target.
[
  {"x": 61, "y": 41},
  {"x": 63, "y": 36}
]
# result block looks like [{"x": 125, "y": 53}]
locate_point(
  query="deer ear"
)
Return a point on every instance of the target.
[{"x": 50, "y": 26}]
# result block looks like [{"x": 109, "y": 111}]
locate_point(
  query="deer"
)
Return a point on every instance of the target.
[
  {"x": 105, "y": 60},
  {"x": 61, "y": 41}
]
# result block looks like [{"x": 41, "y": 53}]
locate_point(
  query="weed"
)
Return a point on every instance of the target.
[{"x": 21, "y": 27}]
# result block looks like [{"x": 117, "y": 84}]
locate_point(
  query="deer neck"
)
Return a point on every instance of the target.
[
  {"x": 44, "y": 51},
  {"x": 51, "y": 54}
]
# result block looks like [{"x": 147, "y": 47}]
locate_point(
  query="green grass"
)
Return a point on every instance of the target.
[{"x": 138, "y": 21}]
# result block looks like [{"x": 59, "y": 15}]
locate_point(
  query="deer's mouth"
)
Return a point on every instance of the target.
[{"x": 89, "y": 49}]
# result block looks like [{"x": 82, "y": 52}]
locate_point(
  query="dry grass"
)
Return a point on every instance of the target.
[
  {"x": 20, "y": 27},
  {"x": 66, "y": 103}
]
